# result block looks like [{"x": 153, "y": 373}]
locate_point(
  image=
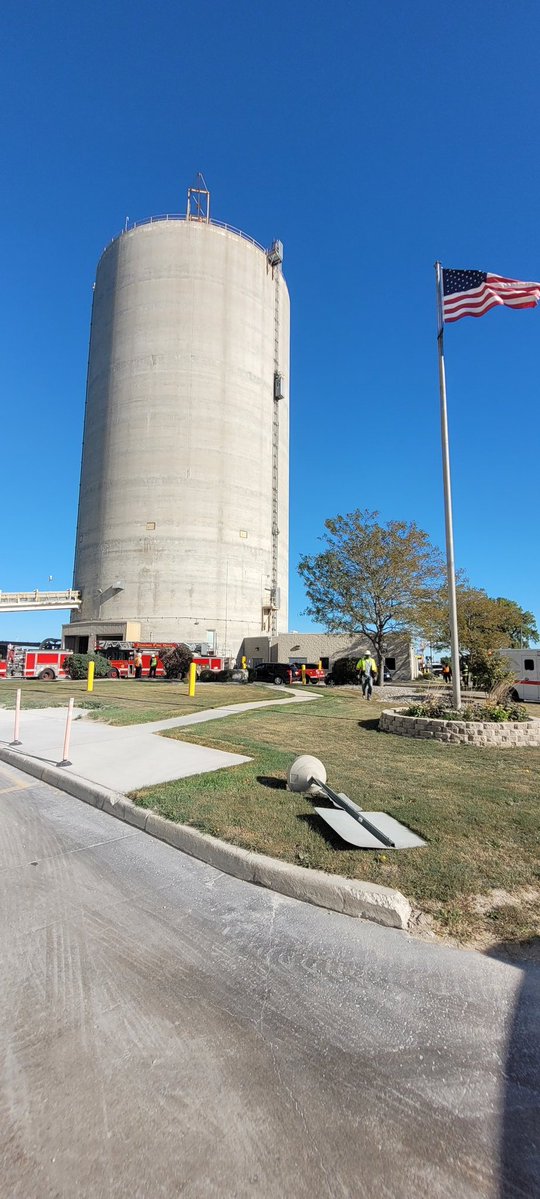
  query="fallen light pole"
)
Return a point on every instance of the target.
[
  {"x": 65, "y": 760},
  {"x": 17, "y": 719},
  {"x": 365, "y": 830}
]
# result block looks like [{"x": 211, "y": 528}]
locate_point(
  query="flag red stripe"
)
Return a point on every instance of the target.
[
  {"x": 478, "y": 295},
  {"x": 468, "y": 312},
  {"x": 502, "y": 279},
  {"x": 461, "y": 300}
]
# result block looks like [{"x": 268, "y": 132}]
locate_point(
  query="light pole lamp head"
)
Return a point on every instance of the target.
[{"x": 304, "y": 775}]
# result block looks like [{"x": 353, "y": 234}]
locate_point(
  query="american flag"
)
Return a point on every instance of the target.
[{"x": 472, "y": 293}]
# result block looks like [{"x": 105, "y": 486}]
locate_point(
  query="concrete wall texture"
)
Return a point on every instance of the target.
[{"x": 176, "y": 480}]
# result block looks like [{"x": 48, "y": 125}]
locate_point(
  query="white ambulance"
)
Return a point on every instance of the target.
[{"x": 526, "y": 666}]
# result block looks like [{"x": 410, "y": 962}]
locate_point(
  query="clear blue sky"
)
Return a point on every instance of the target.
[{"x": 371, "y": 139}]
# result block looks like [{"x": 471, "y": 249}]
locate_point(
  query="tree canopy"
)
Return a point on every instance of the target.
[
  {"x": 371, "y": 578},
  {"x": 484, "y": 624}
]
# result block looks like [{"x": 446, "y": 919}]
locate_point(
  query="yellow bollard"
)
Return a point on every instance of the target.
[
  {"x": 304, "y": 676},
  {"x": 244, "y": 663},
  {"x": 91, "y": 670},
  {"x": 192, "y": 678},
  {"x": 320, "y": 664}
]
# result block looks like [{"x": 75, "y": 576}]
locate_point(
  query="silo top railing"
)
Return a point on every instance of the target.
[{"x": 174, "y": 216}]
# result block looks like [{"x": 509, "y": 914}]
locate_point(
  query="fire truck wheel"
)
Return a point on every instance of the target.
[
  {"x": 113, "y": 674},
  {"x": 47, "y": 676},
  {"x": 514, "y": 696}
]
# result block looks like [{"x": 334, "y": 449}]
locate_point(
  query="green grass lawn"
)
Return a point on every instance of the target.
[
  {"x": 477, "y": 808},
  {"x": 127, "y": 701}
]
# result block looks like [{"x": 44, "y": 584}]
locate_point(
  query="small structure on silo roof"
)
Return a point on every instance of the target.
[{"x": 182, "y": 530}]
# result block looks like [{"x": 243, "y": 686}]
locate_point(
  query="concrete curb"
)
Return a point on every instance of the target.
[{"x": 383, "y": 905}]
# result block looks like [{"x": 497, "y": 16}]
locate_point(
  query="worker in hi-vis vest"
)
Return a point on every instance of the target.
[{"x": 367, "y": 669}]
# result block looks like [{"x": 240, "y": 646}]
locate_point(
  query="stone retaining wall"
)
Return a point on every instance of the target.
[{"x": 506, "y": 735}]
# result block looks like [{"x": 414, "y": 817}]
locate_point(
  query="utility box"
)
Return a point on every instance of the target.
[{"x": 279, "y": 392}]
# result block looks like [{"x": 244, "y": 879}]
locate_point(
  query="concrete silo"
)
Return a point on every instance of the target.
[{"x": 183, "y": 510}]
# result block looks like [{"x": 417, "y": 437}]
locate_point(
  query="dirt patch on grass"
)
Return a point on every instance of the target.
[{"x": 505, "y": 921}]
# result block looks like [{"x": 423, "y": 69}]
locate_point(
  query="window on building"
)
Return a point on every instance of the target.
[{"x": 325, "y": 663}]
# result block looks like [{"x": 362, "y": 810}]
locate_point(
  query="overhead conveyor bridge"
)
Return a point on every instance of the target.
[{"x": 34, "y": 601}]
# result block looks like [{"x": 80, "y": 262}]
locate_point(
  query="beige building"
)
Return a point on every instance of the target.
[{"x": 400, "y": 660}]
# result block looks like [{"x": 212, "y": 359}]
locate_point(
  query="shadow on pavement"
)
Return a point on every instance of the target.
[
  {"x": 520, "y": 1131},
  {"x": 34, "y": 757}
]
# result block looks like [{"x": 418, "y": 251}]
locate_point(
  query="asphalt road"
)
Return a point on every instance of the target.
[{"x": 166, "y": 1030}]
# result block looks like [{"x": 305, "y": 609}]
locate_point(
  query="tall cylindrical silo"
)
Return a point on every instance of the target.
[{"x": 183, "y": 506}]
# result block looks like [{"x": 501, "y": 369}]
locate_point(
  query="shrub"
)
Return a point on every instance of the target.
[
  {"x": 498, "y": 712},
  {"x": 489, "y": 671},
  {"x": 176, "y": 661},
  {"x": 507, "y": 711},
  {"x": 76, "y": 666},
  {"x": 344, "y": 671},
  {"x": 223, "y": 676},
  {"x": 207, "y": 675}
]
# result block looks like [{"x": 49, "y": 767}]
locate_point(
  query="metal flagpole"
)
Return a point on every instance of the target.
[{"x": 450, "y": 568}]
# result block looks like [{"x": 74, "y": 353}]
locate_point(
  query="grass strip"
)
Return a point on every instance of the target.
[
  {"x": 130, "y": 701},
  {"x": 477, "y": 808}
]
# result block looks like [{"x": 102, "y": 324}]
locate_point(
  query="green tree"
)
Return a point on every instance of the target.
[
  {"x": 484, "y": 624},
  {"x": 517, "y": 625},
  {"x": 371, "y": 578}
]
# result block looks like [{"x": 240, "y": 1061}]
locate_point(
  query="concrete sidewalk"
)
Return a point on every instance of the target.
[
  {"x": 108, "y": 762},
  {"x": 127, "y": 757}
]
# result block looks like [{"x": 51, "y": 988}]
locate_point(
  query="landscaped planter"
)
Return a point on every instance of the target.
[{"x": 507, "y": 734}]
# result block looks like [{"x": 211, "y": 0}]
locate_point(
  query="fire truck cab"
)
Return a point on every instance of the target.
[{"x": 31, "y": 662}]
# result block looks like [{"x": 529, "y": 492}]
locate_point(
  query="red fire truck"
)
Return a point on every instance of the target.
[
  {"x": 121, "y": 657},
  {"x": 33, "y": 662}
]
